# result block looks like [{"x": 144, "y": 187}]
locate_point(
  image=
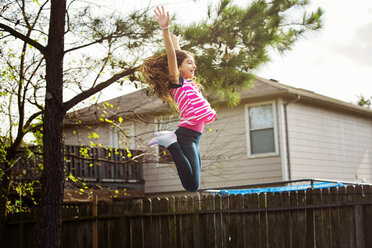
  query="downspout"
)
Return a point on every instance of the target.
[{"x": 286, "y": 134}]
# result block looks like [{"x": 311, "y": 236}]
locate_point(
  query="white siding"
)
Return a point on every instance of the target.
[
  {"x": 80, "y": 135},
  {"x": 108, "y": 135},
  {"x": 328, "y": 144}
]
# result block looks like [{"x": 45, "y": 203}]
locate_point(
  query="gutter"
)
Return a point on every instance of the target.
[{"x": 287, "y": 161}]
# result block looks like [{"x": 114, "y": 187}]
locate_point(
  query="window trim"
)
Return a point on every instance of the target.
[{"x": 247, "y": 129}]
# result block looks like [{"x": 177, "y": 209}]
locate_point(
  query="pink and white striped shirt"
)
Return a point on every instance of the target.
[{"x": 194, "y": 108}]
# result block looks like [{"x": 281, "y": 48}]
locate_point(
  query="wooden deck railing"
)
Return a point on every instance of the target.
[
  {"x": 104, "y": 165},
  {"x": 95, "y": 165}
]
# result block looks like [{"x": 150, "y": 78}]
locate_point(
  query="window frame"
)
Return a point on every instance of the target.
[{"x": 248, "y": 129}]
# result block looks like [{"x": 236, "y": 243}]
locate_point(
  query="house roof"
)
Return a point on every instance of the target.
[
  {"x": 304, "y": 95},
  {"x": 135, "y": 103},
  {"x": 142, "y": 103}
]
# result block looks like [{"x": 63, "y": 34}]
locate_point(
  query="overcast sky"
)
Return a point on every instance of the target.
[{"x": 336, "y": 61}]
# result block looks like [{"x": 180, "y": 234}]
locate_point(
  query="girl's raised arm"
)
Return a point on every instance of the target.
[
  {"x": 175, "y": 42},
  {"x": 163, "y": 18}
]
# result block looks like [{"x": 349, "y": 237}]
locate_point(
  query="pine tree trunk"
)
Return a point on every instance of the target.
[{"x": 50, "y": 212}]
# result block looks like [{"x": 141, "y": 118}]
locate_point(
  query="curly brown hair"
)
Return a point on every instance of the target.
[{"x": 156, "y": 74}]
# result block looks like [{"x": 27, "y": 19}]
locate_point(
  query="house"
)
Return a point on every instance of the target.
[{"x": 276, "y": 133}]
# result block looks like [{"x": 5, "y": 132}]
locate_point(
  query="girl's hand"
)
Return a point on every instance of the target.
[{"x": 162, "y": 17}]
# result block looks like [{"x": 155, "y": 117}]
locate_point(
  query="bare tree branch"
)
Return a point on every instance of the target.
[
  {"x": 29, "y": 121},
  {"x": 24, "y": 38},
  {"x": 84, "y": 95}
]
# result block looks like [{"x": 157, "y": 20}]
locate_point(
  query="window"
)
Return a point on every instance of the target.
[{"x": 261, "y": 129}]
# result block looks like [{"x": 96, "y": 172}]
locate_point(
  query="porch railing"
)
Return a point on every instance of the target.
[{"x": 104, "y": 165}]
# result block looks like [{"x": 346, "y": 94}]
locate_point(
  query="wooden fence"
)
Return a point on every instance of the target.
[{"x": 331, "y": 217}]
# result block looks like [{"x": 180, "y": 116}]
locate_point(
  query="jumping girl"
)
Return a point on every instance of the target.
[{"x": 171, "y": 77}]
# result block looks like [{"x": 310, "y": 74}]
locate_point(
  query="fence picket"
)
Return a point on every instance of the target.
[
  {"x": 195, "y": 208},
  {"x": 294, "y": 232},
  {"x": 327, "y": 218},
  {"x": 238, "y": 228},
  {"x": 359, "y": 217},
  {"x": 251, "y": 221},
  {"x": 318, "y": 219},
  {"x": 172, "y": 222},
  {"x": 285, "y": 202},
  {"x": 218, "y": 207},
  {"x": 232, "y": 222},
  {"x": 299, "y": 220},
  {"x": 310, "y": 235},
  {"x": 367, "y": 192},
  {"x": 190, "y": 222},
  {"x": 179, "y": 209},
  {"x": 335, "y": 218},
  {"x": 263, "y": 234},
  {"x": 136, "y": 224},
  {"x": 147, "y": 222},
  {"x": 207, "y": 223},
  {"x": 155, "y": 223},
  {"x": 274, "y": 220},
  {"x": 226, "y": 238},
  {"x": 164, "y": 223},
  {"x": 185, "y": 223},
  {"x": 350, "y": 193},
  {"x": 346, "y": 221}
]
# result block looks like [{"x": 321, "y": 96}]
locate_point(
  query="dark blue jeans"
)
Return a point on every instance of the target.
[{"x": 186, "y": 155}]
